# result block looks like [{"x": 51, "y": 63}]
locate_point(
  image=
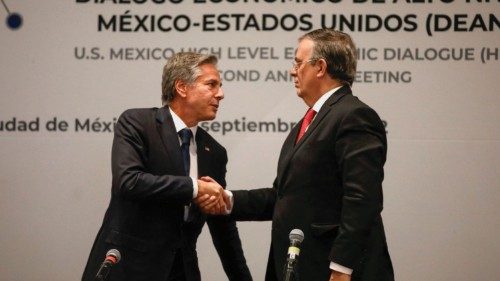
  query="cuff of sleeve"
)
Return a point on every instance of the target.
[
  {"x": 195, "y": 187},
  {"x": 340, "y": 268},
  {"x": 229, "y": 208}
]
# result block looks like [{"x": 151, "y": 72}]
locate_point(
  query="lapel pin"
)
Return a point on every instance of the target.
[{"x": 207, "y": 148}]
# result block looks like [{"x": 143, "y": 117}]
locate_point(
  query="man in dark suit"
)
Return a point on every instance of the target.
[
  {"x": 330, "y": 172},
  {"x": 150, "y": 218}
]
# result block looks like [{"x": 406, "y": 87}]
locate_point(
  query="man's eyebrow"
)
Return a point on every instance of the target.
[{"x": 213, "y": 80}]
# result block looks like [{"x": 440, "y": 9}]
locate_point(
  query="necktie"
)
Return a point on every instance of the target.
[
  {"x": 185, "y": 135},
  {"x": 305, "y": 123}
]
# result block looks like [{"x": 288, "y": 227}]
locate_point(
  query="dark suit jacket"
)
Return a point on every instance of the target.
[
  {"x": 329, "y": 185},
  {"x": 144, "y": 220}
]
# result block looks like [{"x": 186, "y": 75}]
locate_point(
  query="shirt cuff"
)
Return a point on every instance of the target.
[
  {"x": 229, "y": 208},
  {"x": 195, "y": 187},
  {"x": 340, "y": 268}
]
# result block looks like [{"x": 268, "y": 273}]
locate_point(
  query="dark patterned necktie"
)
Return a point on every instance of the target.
[{"x": 185, "y": 135}]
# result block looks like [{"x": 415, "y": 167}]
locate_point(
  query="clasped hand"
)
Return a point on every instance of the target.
[{"x": 211, "y": 197}]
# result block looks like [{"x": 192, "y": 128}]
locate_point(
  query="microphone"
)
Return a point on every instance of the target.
[
  {"x": 296, "y": 237},
  {"x": 113, "y": 256}
]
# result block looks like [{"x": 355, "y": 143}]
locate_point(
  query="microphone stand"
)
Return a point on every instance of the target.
[
  {"x": 103, "y": 272},
  {"x": 290, "y": 273}
]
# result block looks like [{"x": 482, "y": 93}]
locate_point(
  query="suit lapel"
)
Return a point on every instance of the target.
[
  {"x": 204, "y": 153},
  {"x": 287, "y": 151},
  {"x": 203, "y": 150},
  {"x": 290, "y": 148},
  {"x": 169, "y": 137},
  {"x": 333, "y": 99}
]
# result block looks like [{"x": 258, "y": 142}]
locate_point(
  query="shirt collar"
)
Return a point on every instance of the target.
[
  {"x": 319, "y": 103},
  {"x": 179, "y": 124}
]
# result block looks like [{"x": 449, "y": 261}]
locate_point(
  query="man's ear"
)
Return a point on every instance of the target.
[
  {"x": 322, "y": 68},
  {"x": 181, "y": 88}
]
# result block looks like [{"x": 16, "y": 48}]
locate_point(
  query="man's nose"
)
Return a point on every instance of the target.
[{"x": 220, "y": 94}]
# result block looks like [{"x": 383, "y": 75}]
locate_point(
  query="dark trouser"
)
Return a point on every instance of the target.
[{"x": 177, "y": 272}]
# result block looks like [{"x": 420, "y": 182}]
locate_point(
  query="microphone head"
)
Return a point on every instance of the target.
[
  {"x": 296, "y": 235},
  {"x": 115, "y": 254}
]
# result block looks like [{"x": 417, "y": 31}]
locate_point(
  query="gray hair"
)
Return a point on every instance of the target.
[
  {"x": 184, "y": 66},
  {"x": 338, "y": 50}
]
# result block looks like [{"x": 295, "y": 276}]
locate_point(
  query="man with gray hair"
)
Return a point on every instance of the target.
[
  {"x": 329, "y": 176},
  {"x": 159, "y": 156}
]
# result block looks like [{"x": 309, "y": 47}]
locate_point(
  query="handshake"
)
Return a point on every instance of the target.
[{"x": 212, "y": 199}]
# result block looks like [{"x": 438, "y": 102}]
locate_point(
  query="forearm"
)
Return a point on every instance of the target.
[
  {"x": 253, "y": 205},
  {"x": 145, "y": 186}
]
